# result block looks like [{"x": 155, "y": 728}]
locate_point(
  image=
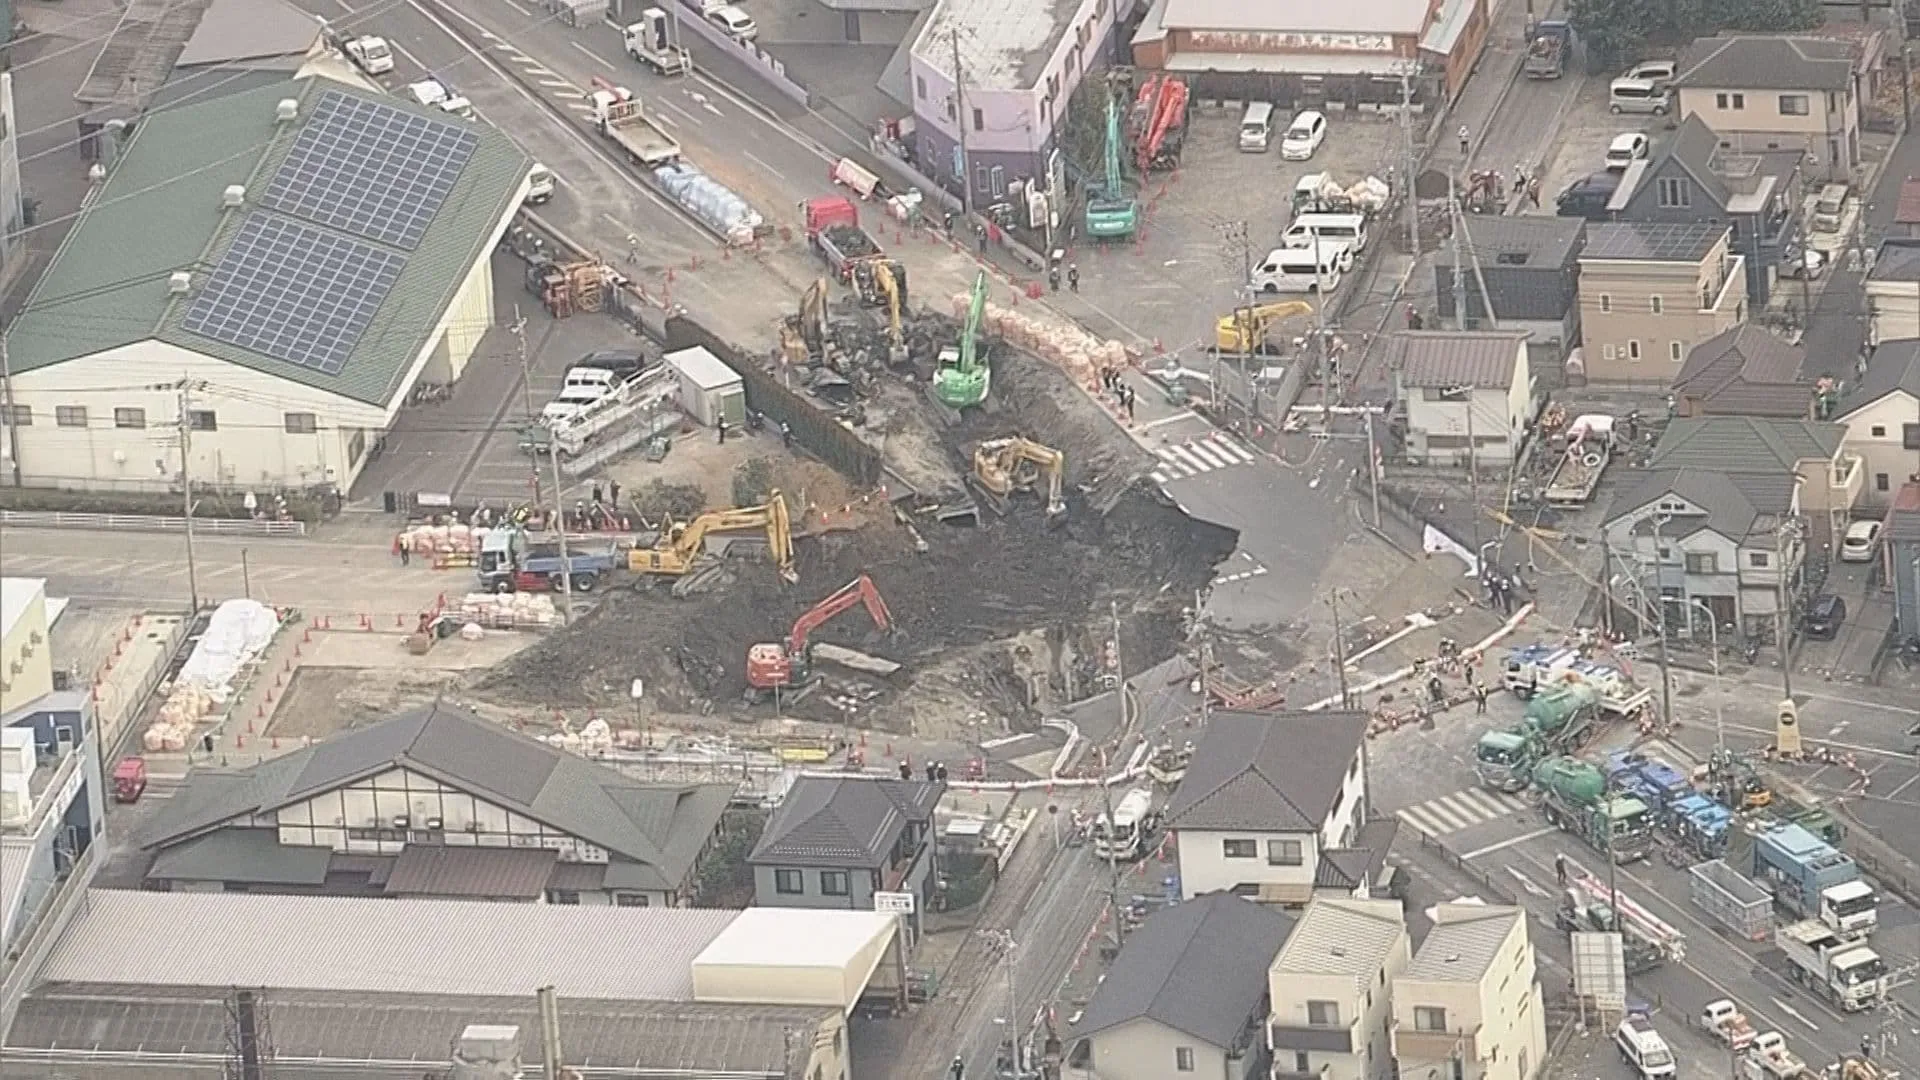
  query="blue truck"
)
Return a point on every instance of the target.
[
  {"x": 1809, "y": 877},
  {"x": 512, "y": 561}
]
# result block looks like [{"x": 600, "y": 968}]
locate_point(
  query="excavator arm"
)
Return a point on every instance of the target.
[
  {"x": 996, "y": 462},
  {"x": 860, "y": 590},
  {"x": 1244, "y": 330},
  {"x": 679, "y": 551}
]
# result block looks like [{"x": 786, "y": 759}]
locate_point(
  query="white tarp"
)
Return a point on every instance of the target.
[{"x": 239, "y": 631}]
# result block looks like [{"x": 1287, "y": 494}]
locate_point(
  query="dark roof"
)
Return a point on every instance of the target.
[
  {"x": 1694, "y": 148},
  {"x": 851, "y": 821},
  {"x": 1267, "y": 771},
  {"x": 1650, "y": 241},
  {"x": 1745, "y": 443},
  {"x": 662, "y": 827},
  {"x": 1765, "y": 62},
  {"x": 1907, "y": 211},
  {"x": 492, "y": 873},
  {"x": 1903, "y": 520},
  {"x": 250, "y": 855},
  {"x": 1199, "y": 967},
  {"x": 1348, "y": 868},
  {"x": 1738, "y": 506},
  {"x": 1526, "y": 240},
  {"x": 1746, "y": 370},
  {"x": 1895, "y": 367},
  {"x": 1897, "y": 259},
  {"x": 1449, "y": 359}
]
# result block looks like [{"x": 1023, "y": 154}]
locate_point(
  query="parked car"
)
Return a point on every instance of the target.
[
  {"x": 1798, "y": 261},
  {"x": 1303, "y": 136},
  {"x": 1654, "y": 71},
  {"x": 1824, "y": 617},
  {"x": 1862, "y": 539},
  {"x": 1626, "y": 149},
  {"x": 737, "y": 24}
]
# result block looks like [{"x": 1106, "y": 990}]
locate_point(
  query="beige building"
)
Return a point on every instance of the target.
[
  {"x": 1468, "y": 1006},
  {"x": 1330, "y": 988},
  {"x": 1881, "y": 413},
  {"x": 26, "y": 655},
  {"x": 1893, "y": 291},
  {"x": 1649, "y": 293},
  {"x": 1776, "y": 92}
]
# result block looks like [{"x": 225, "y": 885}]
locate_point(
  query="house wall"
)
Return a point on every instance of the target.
[
  {"x": 1827, "y": 492},
  {"x": 1875, "y": 432},
  {"x": 1904, "y": 561},
  {"x": 1760, "y": 237},
  {"x": 464, "y": 324},
  {"x": 1366, "y": 1013},
  {"x": 1753, "y": 120},
  {"x": 68, "y": 812},
  {"x": 1625, "y": 340},
  {"x": 1503, "y": 1012},
  {"x": 1344, "y": 823},
  {"x": 1893, "y": 310},
  {"x": 12, "y": 194},
  {"x": 1204, "y": 867},
  {"x": 1148, "y": 1050},
  {"x": 1437, "y": 424},
  {"x": 26, "y": 651}
]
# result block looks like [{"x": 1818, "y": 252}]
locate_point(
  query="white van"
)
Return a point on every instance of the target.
[
  {"x": 1638, "y": 96},
  {"x": 1643, "y": 1049},
  {"x": 587, "y": 383},
  {"x": 1350, "y": 229},
  {"x": 540, "y": 184},
  {"x": 1301, "y": 270},
  {"x": 1256, "y": 128}
]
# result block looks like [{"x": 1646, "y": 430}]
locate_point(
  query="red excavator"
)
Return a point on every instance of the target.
[
  {"x": 779, "y": 665},
  {"x": 1159, "y": 123}
]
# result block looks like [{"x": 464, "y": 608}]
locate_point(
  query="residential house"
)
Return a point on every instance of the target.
[
  {"x": 836, "y": 841},
  {"x": 1331, "y": 989},
  {"x": 1881, "y": 413},
  {"x": 1693, "y": 179},
  {"x": 1828, "y": 475},
  {"x": 1274, "y": 807},
  {"x": 1187, "y": 996},
  {"x": 1893, "y": 291},
  {"x": 1906, "y": 212},
  {"x": 1530, "y": 267},
  {"x": 1777, "y": 92},
  {"x": 1744, "y": 371},
  {"x": 1902, "y": 539},
  {"x": 1469, "y": 1006},
  {"x": 1650, "y": 292},
  {"x": 436, "y": 802},
  {"x": 1463, "y": 395}
]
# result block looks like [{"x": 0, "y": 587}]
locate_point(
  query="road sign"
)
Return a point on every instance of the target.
[{"x": 893, "y": 903}]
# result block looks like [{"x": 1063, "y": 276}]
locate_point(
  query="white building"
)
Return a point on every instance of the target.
[
  {"x": 274, "y": 306},
  {"x": 1330, "y": 989},
  {"x": 1469, "y": 1006},
  {"x": 1456, "y": 387},
  {"x": 1881, "y": 413},
  {"x": 12, "y": 195}
]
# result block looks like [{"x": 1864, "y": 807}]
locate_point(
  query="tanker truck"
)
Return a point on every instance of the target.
[
  {"x": 1575, "y": 798},
  {"x": 1557, "y": 721}
]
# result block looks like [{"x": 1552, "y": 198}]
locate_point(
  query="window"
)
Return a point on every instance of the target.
[
  {"x": 920, "y": 86},
  {"x": 1658, "y": 304},
  {"x": 302, "y": 423},
  {"x": 1719, "y": 101},
  {"x": 1429, "y": 1018},
  {"x": 997, "y": 181},
  {"x": 789, "y": 882},
  {"x": 630, "y": 899},
  {"x": 1183, "y": 1058},
  {"x": 70, "y": 415},
  {"x": 1323, "y": 1014},
  {"x": 1757, "y": 560},
  {"x": 19, "y": 415},
  {"x": 202, "y": 420},
  {"x": 1606, "y": 303},
  {"x": 1879, "y": 431},
  {"x": 1730, "y": 101},
  {"x": 1795, "y": 105},
  {"x": 1285, "y": 853},
  {"x": 1610, "y": 352},
  {"x": 1633, "y": 351},
  {"x": 1673, "y": 351},
  {"x": 833, "y": 883},
  {"x": 1702, "y": 562},
  {"x": 1879, "y": 481},
  {"x": 1301, "y": 1062},
  {"x": 562, "y": 896},
  {"x": 1240, "y": 849},
  {"x": 356, "y": 445},
  {"x": 129, "y": 418},
  {"x": 1674, "y": 192},
  {"x": 979, "y": 120}
]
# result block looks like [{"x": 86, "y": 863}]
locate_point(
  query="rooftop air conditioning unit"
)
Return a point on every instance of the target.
[
  {"x": 433, "y": 823},
  {"x": 287, "y": 110},
  {"x": 180, "y": 282},
  {"x": 400, "y": 821},
  {"x": 235, "y": 195}
]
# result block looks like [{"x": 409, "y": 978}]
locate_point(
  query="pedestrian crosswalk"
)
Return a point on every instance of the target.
[
  {"x": 1191, "y": 457},
  {"x": 1461, "y": 810}
]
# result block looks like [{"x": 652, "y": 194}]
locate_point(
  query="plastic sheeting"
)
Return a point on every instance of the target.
[
  {"x": 710, "y": 201},
  {"x": 238, "y": 631}
]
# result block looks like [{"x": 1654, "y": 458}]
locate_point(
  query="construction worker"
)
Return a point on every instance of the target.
[
  {"x": 1053, "y": 278},
  {"x": 1466, "y": 141},
  {"x": 1480, "y": 699},
  {"x": 1073, "y": 277},
  {"x": 720, "y": 428},
  {"x": 786, "y": 434}
]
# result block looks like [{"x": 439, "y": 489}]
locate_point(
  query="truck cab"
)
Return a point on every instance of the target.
[
  {"x": 437, "y": 95},
  {"x": 650, "y": 41},
  {"x": 1850, "y": 909},
  {"x": 1504, "y": 759},
  {"x": 1533, "y": 666},
  {"x": 1643, "y": 1049}
]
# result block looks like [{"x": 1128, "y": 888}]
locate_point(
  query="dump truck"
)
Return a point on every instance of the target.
[
  {"x": 650, "y": 41},
  {"x": 833, "y": 230},
  {"x": 1575, "y": 799},
  {"x": 1556, "y": 722},
  {"x": 1724, "y": 1021},
  {"x": 1767, "y": 1058},
  {"x": 513, "y": 561},
  {"x": 1731, "y": 899},
  {"x": 1809, "y": 877},
  {"x": 1589, "y": 447},
  {"x": 1849, "y": 974},
  {"x": 1547, "y": 52},
  {"x": 620, "y": 118}
]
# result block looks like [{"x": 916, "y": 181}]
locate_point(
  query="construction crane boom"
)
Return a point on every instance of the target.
[
  {"x": 780, "y": 664},
  {"x": 1244, "y": 330},
  {"x": 679, "y": 548}
]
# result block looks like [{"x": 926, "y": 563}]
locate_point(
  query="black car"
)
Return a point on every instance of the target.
[
  {"x": 618, "y": 361},
  {"x": 1824, "y": 617},
  {"x": 1588, "y": 196}
]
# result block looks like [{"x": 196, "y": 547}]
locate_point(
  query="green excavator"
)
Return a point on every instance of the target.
[
  {"x": 961, "y": 380},
  {"x": 1112, "y": 213}
]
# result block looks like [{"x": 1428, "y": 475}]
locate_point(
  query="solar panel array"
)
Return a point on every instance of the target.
[
  {"x": 371, "y": 169},
  {"x": 293, "y": 292}
]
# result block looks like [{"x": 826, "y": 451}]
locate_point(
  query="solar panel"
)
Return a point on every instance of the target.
[
  {"x": 294, "y": 292},
  {"x": 371, "y": 169}
]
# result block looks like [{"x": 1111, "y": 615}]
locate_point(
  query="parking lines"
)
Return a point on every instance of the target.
[
  {"x": 1461, "y": 810},
  {"x": 1195, "y": 456}
]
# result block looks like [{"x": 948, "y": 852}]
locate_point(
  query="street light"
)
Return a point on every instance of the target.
[{"x": 1719, "y": 687}]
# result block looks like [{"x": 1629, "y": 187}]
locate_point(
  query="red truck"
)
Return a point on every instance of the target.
[
  {"x": 833, "y": 230},
  {"x": 129, "y": 779}
]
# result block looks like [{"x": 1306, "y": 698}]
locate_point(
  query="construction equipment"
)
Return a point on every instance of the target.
[
  {"x": 891, "y": 279},
  {"x": 784, "y": 664},
  {"x": 833, "y": 230},
  {"x": 1004, "y": 466},
  {"x": 1726, "y": 1023},
  {"x": 1159, "y": 123},
  {"x": 1547, "y": 52},
  {"x": 680, "y": 547},
  {"x": 1811, "y": 879},
  {"x": 1578, "y": 915},
  {"x": 1575, "y": 799},
  {"x": 1635, "y": 920},
  {"x": 1245, "y": 329},
  {"x": 1849, "y": 974},
  {"x": 513, "y": 561},
  {"x": 1557, "y": 721},
  {"x": 1112, "y": 212},
  {"x": 803, "y": 336},
  {"x": 619, "y": 116},
  {"x": 962, "y": 378}
]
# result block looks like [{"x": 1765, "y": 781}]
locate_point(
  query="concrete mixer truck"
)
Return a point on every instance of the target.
[
  {"x": 1557, "y": 721},
  {"x": 1575, "y": 797}
]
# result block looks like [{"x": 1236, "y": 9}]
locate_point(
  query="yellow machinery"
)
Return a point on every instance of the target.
[
  {"x": 890, "y": 288},
  {"x": 804, "y": 336},
  {"x": 680, "y": 547},
  {"x": 1244, "y": 330},
  {"x": 1004, "y": 466}
]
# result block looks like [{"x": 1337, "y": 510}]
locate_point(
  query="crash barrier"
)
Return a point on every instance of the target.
[
  {"x": 1495, "y": 890},
  {"x": 50, "y": 519},
  {"x": 763, "y": 66}
]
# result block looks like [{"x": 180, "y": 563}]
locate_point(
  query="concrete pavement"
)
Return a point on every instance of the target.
[{"x": 1836, "y": 327}]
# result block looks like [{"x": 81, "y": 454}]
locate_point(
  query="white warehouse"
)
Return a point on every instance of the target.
[{"x": 279, "y": 303}]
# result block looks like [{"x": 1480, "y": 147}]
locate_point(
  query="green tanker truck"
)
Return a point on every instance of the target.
[
  {"x": 1557, "y": 721},
  {"x": 1575, "y": 799}
]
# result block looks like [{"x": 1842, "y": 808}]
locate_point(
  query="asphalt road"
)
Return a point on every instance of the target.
[{"x": 1837, "y": 326}]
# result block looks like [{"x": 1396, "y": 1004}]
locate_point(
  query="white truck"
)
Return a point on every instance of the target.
[
  {"x": 1768, "y": 1058},
  {"x": 1619, "y": 695},
  {"x": 1849, "y": 974},
  {"x": 572, "y": 432},
  {"x": 438, "y": 95},
  {"x": 372, "y": 55},
  {"x": 650, "y": 42},
  {"x": 1726, "y": 1023},
  {"x": 1123, "y": 837},
  {"x": 618, "y": 115}
]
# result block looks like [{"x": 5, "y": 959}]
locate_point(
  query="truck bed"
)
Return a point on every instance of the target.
[
  {"x": 1573, "y": 480},
  {"x": 645, "y": 140},
  {"x": 851, "y": 241}
]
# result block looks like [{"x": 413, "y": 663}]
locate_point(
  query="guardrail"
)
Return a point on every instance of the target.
[{"x": 54, "y": 519}]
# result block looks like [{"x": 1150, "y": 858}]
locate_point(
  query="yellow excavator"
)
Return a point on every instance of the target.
[
  {"x": 1244, "y": 330},
  {"x": 802, "y": 337},
  {"x": 681, "y": 546},
  {"x": 889, "y": 286},
  {"x": 1004, "y": 466}
]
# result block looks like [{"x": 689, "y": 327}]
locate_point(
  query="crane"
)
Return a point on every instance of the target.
[
  {"x": 679, "y": 549},
  {"x": 1245, "y": 329},
  {"x": 1112, "y": 214},
  {"x": 1161, "y": 112},
  {"x": 1003, "y": 466},
  {"x": 962, "y": 378},
  {"x": 780, "y": 664}
]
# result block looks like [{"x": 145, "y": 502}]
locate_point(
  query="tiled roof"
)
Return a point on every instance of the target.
[
  {"x": 1461, "y": 947},
  {"x": 851, "y": 821},
  {"x": 485, "y": 873},
  {"x": 1260, "y": 771},
  {"x": 1450, "y": 359},
  {"x": 1738, "y": 506},
  {"x": 255, "y": 856},
  {"x": 1897, "y": 259},
  {"x": 1694, "y": 147},
  {"x": 1895, "y": 367},
  {"x": 1527, "y": 240},
  {"x": 1336, "y": 936},
  {"x": 1746, "y": 370},
  {"x": 1745, "y": 443},
  {"x": 1765, "y": 62}
]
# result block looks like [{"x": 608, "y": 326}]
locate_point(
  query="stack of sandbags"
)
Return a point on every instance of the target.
[
  {"x": 473, "y": 631},
  {"x": 1075, "y": 351},
  {"x": 596, "y": 738},
  {"x": 437, "y": 539},
  {"x": 565, "y": 740},
  {"x": 508, "y": 610}
]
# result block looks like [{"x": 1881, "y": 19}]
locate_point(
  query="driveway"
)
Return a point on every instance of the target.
[{"x": 1851, "y": 655}]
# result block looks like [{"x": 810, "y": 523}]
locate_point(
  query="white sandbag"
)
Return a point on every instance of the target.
[
  {"x": 473, "y": 631},
  {"x": 238, "y": 631}
]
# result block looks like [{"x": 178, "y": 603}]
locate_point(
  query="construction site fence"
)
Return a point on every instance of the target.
[
  {"x": 48, "y": 519},
  {"x": 762, "y": 64}
]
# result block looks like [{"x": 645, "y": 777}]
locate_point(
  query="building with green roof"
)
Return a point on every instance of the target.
[{"x": 274, "y": 270}]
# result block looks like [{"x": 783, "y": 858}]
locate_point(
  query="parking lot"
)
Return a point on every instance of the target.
[
  {"x": 1586, "y": 128},
  {"x": 1189, "y": 264}
]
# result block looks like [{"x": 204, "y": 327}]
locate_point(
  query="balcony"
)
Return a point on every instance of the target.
[
  {"x": 1324, "y": 1040},
  {"x": 1411, "y": 1045},
  {"x": 1729, "y": 295}
]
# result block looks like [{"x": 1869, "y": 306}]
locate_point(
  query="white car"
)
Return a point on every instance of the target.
[
  {"x": 734, "y": 22},
  {"x": 1862, "y": 539},
  {"x": 1653, "y": 71},
  {"x": 370, "y": 54},
  {"x": 1303, "y": 136},
  {"x": 435, "y": 94},
  {"x": 1626, "y": 149}
]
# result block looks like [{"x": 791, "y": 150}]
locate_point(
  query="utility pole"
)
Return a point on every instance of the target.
[
  {"x": 186, "y": 488},
  {"x": 1473, "y": 471},
  {"x": 1783, "y": 610},
  {"x": 960, "y": 124},
  {"x": 1413, "y": 164},
  {"x": 1373, "y": 469},
  {"x": 553, "y": 463},
  {"x": 1660, "y": 611},
  {"x": 1106, "y": 787},
  {"x": 1339, "y": 649},
  {"x": 13, "y": 430},
  {"x": 1459, "y": 281},
  {"x": 552, "y": 1061}
]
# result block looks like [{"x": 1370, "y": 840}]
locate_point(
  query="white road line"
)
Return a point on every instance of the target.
[
  {"x": 559, "y": 84},
  {"x": 1180, "y": 455},
  {"x": 1895, "y": 793},
  {"x": 594, "y": 56},
  {"x": 1795, "y": 1013},
  {"x": 1205, "y": 451},
  {"x": 663, "y": 102},
  {"x": 1183, "y": 414},
  {"x": 749, "y": 156},
  {"x": 1233, "y": 448},
  {"x": 1159, "y": 477},
  {"x": 1513, "y": 842},
  {"x": 1447, "y": 809},
  {"x": 583, "y": 107},
  {"x": 1416, "y": 817}
]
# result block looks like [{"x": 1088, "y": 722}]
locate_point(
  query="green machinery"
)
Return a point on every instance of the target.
[
  {"x": 962, "y": 377},
  {"x": 1557, "y": 721},
  {"x": 1112, "y": 213},
  {"x": 1575, "y": 798}
]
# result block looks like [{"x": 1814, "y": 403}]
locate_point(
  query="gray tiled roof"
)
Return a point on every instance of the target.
[
  {"x": 1199, "y": 967},
  {"x": 1738, "y": 506},
  {"x": 215, "y": 856},
  {"x": 491, "y": 873},
  {"x": 1534, "y": 240},
  {"x": 662, "y": 827},
  {"x": 1898, "y": 259},
  {"x": 1449, "y": 359},
  {"x": 1745, "y": 443},
  {"x": 1765, "y": 62},
  {"x": 1693, "y": 147},
  {"x": 1895, "y": 367},
  {"x": 1337, "y": 936},
  {"x": 1267, "y": 771},
  {"x": 851, "y": 821},
  {"x": 1350, "y": 867},
  {"x": 1746, "y": 370},
  {"x": 1462, "y": 946}
]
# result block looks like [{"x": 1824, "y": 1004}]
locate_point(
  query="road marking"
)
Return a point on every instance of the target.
[
  {"x": 593, "y": 56},
  {"x": 749, "y": 156},
  {"x": 518, "y": 8},
  {"x": 670, "y": 105},
  {"x": 1241, "y": 576},
  {"x": 1183, "y": 414},
  {"x": 1891, "y": 795},
  {"x": 1505, "y": 844},
  {"x": 559, "y": 84},
  {"x": 1461, "y": 810},
  {"x": 583, "y": 107},
  {"x": 1213, "y": 451},
  {"x": 1782, "y": 1006}
]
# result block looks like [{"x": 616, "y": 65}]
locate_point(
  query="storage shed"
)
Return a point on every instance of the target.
[
  {"x": 709, "y": 389},
  {"x": 800, "y": 957}
]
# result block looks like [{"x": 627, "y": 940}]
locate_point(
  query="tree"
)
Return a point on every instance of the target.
[{"x": 1615, "y": 31}]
